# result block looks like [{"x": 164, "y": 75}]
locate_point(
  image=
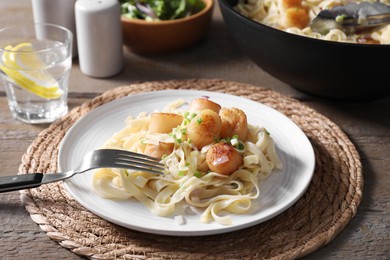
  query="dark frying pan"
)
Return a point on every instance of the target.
[{"x": 322, "y": 68}]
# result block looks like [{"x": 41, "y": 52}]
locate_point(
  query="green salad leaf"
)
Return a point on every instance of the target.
[{"x": 160, "y": 9}]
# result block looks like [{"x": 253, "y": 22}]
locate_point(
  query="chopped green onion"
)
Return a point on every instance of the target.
[
  {"x": 234, "y": 142},
  {"x": 340, "y": 18},
  {"x": 197, "y": 174},
  {"x": 241, "y": 146}
]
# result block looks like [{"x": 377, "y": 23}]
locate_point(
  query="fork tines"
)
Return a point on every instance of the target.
[{"x": 137, "y": 161}]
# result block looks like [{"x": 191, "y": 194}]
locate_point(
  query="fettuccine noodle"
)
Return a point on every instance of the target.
[{"x": 186, "y": 179}]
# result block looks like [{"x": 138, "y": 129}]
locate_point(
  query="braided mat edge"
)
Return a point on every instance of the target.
[{"x": 313, "y": 221}]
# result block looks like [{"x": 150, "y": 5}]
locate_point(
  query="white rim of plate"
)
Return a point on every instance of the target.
[{"x": 295, "y": 151}]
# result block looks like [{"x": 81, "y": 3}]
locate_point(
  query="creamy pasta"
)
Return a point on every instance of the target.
[
  {"x": 294, "y": 16},
  {"x": 192, "y": 176}
]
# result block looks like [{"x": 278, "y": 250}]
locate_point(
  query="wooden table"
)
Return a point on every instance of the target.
[{"x": 367, "y": 124}]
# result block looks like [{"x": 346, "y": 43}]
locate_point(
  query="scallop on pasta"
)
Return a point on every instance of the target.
[{"x": 214, "y": 161}]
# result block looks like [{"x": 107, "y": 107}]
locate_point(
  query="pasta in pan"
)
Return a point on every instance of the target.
[
  {"x": 294, "y": 16},
  {"x": 214, "y": 161}
]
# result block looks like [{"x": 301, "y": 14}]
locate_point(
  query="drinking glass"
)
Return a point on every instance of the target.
[{"x": 35, "y": 63}]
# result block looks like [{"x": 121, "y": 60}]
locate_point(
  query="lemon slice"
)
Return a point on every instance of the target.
[{"x": 25, "y": 68}]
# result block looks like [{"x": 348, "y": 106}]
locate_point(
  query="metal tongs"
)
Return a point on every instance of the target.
[{"x": 351, "y": 18}]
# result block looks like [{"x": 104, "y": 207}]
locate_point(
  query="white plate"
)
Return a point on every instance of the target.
[{"x": 278, "y": 192}]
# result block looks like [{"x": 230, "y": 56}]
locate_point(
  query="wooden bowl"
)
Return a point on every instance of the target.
[{"x": 146, "y": 37}]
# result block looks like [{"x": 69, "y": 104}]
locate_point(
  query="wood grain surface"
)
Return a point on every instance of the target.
[{"x": 366, "y": 123}]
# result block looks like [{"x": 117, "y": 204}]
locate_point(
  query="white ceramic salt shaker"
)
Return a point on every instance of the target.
[
  {"x": 59, "y": 12},
  {"x": 99, "y": 41}
]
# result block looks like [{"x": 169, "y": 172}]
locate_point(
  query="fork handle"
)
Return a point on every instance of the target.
[{"x": 20, "y": 182}]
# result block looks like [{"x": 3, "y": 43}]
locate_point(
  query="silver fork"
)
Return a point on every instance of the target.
[{"x": 102, "y": 158}]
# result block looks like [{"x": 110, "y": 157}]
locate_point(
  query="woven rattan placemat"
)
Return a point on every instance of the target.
[{"x": 324, "y": 210}]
